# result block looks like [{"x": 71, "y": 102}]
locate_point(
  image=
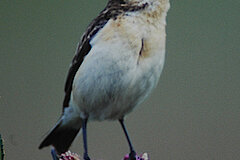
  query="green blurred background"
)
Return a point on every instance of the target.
[{"x": 194, "y": 114}]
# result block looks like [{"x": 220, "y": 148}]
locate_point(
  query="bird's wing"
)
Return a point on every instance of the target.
[
  {"x": 113, "y": 9},
  {"x": 82, "y": 50}
]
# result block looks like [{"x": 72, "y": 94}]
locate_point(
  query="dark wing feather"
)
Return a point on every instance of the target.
[
  {"x": 113, "y": 9},
  {"x": 83, "y": 49}
]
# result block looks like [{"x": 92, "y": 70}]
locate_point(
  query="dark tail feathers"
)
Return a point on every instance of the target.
[{"x": 62, "y": 136}]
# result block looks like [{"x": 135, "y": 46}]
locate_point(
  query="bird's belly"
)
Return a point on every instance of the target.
[
  {"x": 110, "y": 90},
  {"x": 111, "y": 82}
]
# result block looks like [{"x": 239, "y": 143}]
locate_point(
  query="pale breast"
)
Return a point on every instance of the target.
[{"x": 121, "y": 69}]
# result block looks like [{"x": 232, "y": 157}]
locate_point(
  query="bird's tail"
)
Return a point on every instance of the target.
[{"x": 63, "y": 134}]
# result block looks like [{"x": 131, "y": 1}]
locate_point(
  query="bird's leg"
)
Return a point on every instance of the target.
[
  {"x": 54, "y": 154},
  {"x": 84, "y": 130},
  {"x": 132, "y": 154}
]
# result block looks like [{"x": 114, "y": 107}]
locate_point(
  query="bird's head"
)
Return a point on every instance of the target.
[
  {"x": 142, "y": 1},
  {"x": 150, "y": 2}
]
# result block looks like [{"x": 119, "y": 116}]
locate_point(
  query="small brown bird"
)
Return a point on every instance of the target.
[{"x": 117, "y": 64}]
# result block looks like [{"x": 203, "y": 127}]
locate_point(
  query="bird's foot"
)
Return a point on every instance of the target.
[
  {"x": 86, "y": 157},
  {"x": 132, "y": 155},
  {"x": 136, "y": 157}
]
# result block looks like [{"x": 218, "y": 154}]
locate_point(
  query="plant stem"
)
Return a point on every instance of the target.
[{"x": 1, "y": 149}]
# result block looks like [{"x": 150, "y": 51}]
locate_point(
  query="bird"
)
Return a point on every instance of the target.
[{"x": 117, "y": 64}]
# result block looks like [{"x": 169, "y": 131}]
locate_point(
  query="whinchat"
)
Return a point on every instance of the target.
[{"x": 117, "y": 64}]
